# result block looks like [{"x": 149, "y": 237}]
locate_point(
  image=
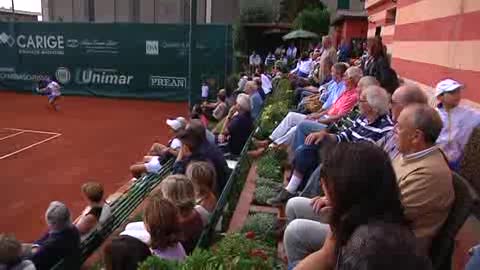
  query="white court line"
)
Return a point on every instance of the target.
[
  {"x": 30, "y": 146},
  {"x": 12, "y": 135},
  {"x": 33, "y": 131}
]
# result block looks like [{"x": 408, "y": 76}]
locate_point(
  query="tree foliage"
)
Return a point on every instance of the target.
[
  {"x": 289, "y": 9},
  {"x": 315, "y": 20}
]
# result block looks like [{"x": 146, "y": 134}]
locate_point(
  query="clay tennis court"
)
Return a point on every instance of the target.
[{"x": 47, "y": 155}]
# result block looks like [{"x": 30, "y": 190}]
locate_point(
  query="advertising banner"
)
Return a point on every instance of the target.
[{"x": 116, "y": 60}]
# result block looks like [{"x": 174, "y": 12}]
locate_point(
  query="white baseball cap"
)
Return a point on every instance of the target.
[
  {"x": 447, "y": 85},
  {"x": 177, "y": 124}
]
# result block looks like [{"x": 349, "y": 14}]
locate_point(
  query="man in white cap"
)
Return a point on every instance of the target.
[
  {"x": 159, "y": 153},
  {"x": 458, "y": 121}
]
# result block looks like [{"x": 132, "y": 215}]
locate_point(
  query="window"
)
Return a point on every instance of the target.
[
  {"x": 90, "y": 10},
  {"x": 135, "y": 10},
  {"x": 391, "y": 16},
  {"x": 343, "y": 4},
  {"x": 378, "y": 31}
]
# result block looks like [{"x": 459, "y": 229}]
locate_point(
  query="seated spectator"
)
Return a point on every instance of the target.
[
  {"x": 97, "y": 211},
  {"x": 255, "y": 98},
  {"x": 160, "y": 153},
  {"x": 326, "y": 94},
  {"x": 474, "y": 261},
  {"x": 161, "y": 220},
  {"x": 405, "y": 95},
  {"x": 198, "y": 113},
  {"x": 355, "y": 195},
  {"x": 179, "y": 190},
  {"x": 342, "y": 106},
  {"x": 283, "y": 133},
  {"x": 11, "y": 255},
  {"x": 423, "y": 174},
  {"x": 270, "y": 59},
  {"x": 258, "y": 83},
  {"x": 458, "y": 121},
  {"x": 195, "y": 147},
  {"x": 125, "y": 253},
  {"x": 238, "y": 127},
  {"x": 220, "y": 107},
  {"x": 306, "y": 127},
  {"x": 62, "y": 241},
  {"x": 304, "y": 66},
  {"x": 371, "y": 126},
  {"x": 265, "y": 83},
  {"x": 380, "y": 246},
  {"x": 203, "y": 177}
]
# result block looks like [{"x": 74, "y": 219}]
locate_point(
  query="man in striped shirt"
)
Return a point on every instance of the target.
[{"x": 373, "y": 123}]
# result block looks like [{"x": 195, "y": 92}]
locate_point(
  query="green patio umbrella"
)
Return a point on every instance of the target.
[{"x": 300, "y": 34}]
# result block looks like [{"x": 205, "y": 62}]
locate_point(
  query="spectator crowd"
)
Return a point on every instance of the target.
[{"x": 371, "y": 183}]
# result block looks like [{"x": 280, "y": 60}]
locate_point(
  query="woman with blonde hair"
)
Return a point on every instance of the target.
[
  {"x": 179, "y": 190},
  {"x": 203, "y": 178},
  {"x": 161, "y": 221}
]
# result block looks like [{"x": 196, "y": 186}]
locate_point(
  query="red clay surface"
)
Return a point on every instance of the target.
[{"x": 100, "y": 139}]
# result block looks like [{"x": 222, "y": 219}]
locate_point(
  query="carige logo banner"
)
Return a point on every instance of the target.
[{"x": 117, "y": 60}]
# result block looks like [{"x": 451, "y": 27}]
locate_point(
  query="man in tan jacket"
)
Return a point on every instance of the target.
[{"x": 423, "y": 175}]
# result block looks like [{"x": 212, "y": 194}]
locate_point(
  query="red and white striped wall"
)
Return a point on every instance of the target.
[{"x": 431, "y": 40}]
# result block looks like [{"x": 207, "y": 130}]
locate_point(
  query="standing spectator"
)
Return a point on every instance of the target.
[
  {"x": 291, "y": 52},
  {"x": 161, "y": 221},
  {"x": 205, "y": 91},
  {"x": 125, "y": 253},
  {"x": 327, "y": 60},
  {"x": 254, "y": 61},
  {"x": 11, "y": 255},
  {"x": 203, "y": 177},
  {"x": 238, "y": 127},
  {"x": 458, "y": 121},
  {"x": 344, "y": 51},
  {"x": 255, "y": 98},
  {"x": 96, "y": 213},
  {"x": 378, "y": 66},
  {"x": 179, "y": 190},
  {"x": 62, "y": 241},
  {"x": 423, "y": 175}
]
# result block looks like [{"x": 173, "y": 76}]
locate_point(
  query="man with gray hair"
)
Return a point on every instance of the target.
[
  {"x": 371, "y": 126},
  {"x": 405, "y": 95},
  {"x": 423, "y": 175},
  {"x": 62, "y": 241}
]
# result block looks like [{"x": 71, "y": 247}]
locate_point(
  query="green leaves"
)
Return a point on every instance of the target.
[{"x": 314, "y": 20}]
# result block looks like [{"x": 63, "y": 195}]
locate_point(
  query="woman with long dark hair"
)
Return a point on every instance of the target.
[
  {"x": 360, "y": 187},
  {"x": 378, "y": 65}
]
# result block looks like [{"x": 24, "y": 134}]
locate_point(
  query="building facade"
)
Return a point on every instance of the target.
[
  {"x": 139, "y": 11},
  {"x": 20, "y": 15},
  {"x": 430, "y": 40}
]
